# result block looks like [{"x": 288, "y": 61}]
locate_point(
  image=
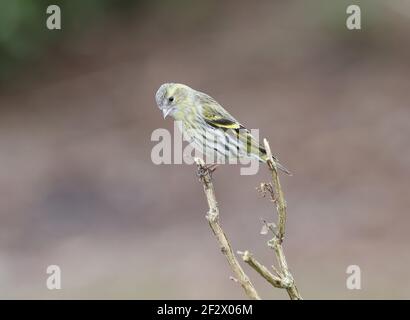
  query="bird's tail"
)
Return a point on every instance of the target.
[
  {"x": 283, "y": 168},
  {"x": 264, "y": 159},
  {"x": 255, "y": 149}
]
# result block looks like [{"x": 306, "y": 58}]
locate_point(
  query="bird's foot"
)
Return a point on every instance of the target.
[{"x": 203, "y": 170}]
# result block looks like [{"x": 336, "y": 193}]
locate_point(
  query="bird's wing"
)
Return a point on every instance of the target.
[{"x": 217, "y": 117}]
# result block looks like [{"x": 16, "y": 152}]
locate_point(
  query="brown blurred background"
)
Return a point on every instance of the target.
[{"x": 78, "y": 187}]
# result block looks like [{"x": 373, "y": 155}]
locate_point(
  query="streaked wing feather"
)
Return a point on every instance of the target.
[{"x": 217, "y": 117}]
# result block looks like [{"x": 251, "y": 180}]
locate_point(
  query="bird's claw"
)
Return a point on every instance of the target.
[
  {"x": 206, "y": 169},
  {"x": 202, "y": 171}
]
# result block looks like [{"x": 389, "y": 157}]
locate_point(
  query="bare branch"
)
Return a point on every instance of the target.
[
  {"x": 277, "y": 194},
  {"x": 213, "y": 219},
  {"x": 283, "y": 277},
  {"x": 277, "y": 240},
  {"x": 262, "y": 270}
]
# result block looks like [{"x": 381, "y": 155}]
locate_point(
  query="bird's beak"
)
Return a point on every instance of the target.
[{"x": 166, "y": 112}]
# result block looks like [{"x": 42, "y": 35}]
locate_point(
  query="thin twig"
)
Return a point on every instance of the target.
[
  {"x": 284, "y": 278},
  {"x": 213, "y": 219},
  {"x": 277, "y": 240},
  {"x": 278, "y": 193},
  {"x": 262, "y": 270}
]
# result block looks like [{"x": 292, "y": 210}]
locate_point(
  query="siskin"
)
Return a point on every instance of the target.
[{"x": 208, "y": 126}]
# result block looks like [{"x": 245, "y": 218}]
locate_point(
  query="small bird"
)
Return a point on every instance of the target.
[{"x": 208, "y": 126}]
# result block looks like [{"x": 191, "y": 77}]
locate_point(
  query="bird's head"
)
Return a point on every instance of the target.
[{"x": 171, "y": 97}]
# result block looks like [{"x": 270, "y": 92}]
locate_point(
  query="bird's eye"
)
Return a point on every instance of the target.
[{"x": 170, "y": 99}]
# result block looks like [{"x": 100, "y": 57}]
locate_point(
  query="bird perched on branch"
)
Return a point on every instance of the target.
[{"x": 208, "y": 126}]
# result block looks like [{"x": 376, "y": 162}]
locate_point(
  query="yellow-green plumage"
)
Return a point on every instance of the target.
[{"x": 210, "y": 128}]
